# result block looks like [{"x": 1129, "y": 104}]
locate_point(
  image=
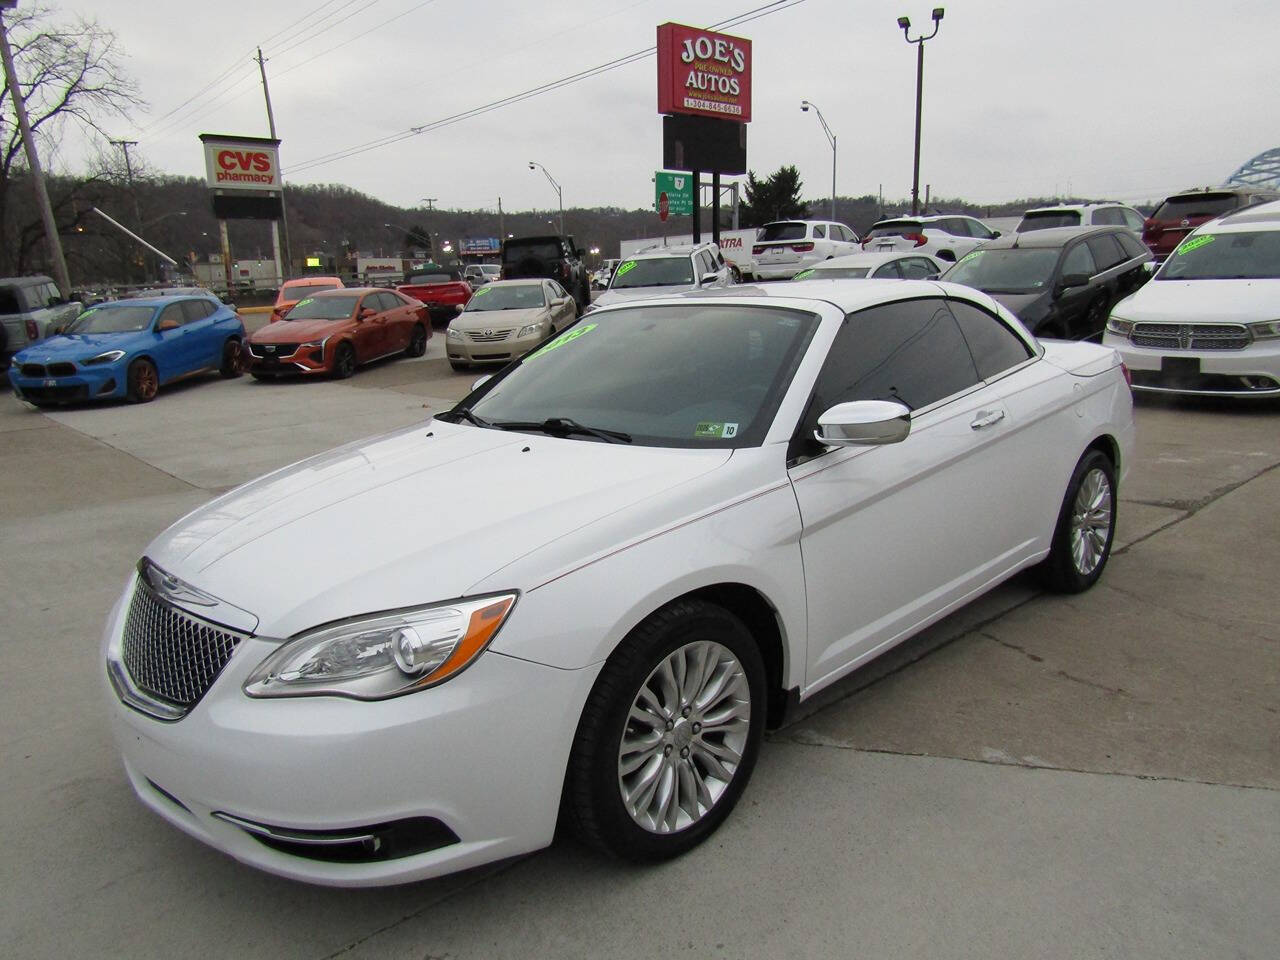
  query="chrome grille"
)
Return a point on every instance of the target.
[
  {"x": 277, "y": 350},
  {"x": 488, "y": 336},
  {"x": 171, "y": 654},
  {"x": 1191, "y": 336}
]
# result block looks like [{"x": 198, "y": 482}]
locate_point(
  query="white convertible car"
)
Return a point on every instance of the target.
[{"x": 663, "y": 526}]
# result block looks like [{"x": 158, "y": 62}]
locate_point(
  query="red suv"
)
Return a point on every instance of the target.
[{"x": 1183, "y": 212}]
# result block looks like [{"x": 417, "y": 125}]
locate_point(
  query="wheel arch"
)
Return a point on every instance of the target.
[{"x": 1107, "y": 445}]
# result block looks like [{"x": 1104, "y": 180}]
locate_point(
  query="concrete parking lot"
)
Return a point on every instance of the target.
[{"x": 1037, "y": 776}]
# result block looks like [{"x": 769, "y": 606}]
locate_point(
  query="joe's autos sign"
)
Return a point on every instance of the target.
[
  {"x": 241, "y": 163},
  {"x": 703, "y": 72}
]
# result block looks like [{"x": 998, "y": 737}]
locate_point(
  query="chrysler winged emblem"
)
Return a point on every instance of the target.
[{"x": 175, "y": 590}]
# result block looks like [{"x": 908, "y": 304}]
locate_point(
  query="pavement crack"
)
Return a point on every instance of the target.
[
  {"x": 1034, "y": 657},
  {"x": 1117, "y": 691}
]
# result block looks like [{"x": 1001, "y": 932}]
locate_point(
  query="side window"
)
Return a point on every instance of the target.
[
  {"x": 977, "y": 229},
  {"x": 706, "y": 264},
  {"x": 955, "y": 226},
  {"x": 910, "y": 351},
  {"x": 1132, "y": 220},
  {"x": 390, "y": 301},
  {"x": 719, "y": 259},
  {"x": 916, "y": 268},
  {"x": 994, "y": 346},
  {"x": 1131, "y": 245},
  {"x": 557, "y": 291},
  {"x": 192, "y": 310},
  {"x": 820, "y": 231},
  {"x": 1106, "y": 251},
  {"x": 1079, "y": 260},
  {"x": 171, "y": 315},
  {"x": 888, "y": 271}
]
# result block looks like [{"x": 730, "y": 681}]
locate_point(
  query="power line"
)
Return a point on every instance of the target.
[
  {"x": 343, "y": 43},
  {"x": 776, "y": 6}
]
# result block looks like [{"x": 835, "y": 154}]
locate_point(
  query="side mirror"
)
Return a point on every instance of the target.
[
  {"x": 1071, "y": 280},
  {"x": 167, "y": 324},
  {"x": 994, "y": 234},
  {"x": 479, "y": 382},
  {"x": 864, "y": 423},
  {"x": 365, "y": 313}
]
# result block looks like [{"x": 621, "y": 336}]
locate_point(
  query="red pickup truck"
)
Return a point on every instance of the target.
[{"x": 442, "y": 289}]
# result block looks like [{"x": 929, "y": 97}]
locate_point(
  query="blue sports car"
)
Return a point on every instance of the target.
[{"x": 130, "y": 348}]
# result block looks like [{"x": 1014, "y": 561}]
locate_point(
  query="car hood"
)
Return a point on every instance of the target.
[
  {"x": 1227, "y": 301},
  {"x": 1020, "y": 303},
  {"x": 296, "y": 331},
  {"x": 421, "y": 514},
  {"x": 482, "y": 319},
  {"x": 80, "y": 346},
  {"x": 627, "y": 294}
]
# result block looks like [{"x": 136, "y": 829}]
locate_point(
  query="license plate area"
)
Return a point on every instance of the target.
[{"x": 1180, "y": 370}]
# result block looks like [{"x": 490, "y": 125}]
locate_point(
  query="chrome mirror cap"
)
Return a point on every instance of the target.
[{"x": 864, "y": 423}]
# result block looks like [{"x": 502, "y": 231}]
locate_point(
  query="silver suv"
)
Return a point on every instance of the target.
[
  {"x": 30, "y": 308},
  {"x": 660, "y": 271}
]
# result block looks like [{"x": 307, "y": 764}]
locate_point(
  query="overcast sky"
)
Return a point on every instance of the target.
[{"x": 1106, "y": 98}]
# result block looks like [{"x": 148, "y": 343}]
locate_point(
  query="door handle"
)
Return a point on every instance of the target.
[{"x": 987, "y": 418}]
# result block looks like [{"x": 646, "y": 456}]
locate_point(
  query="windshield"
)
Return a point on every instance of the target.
[
  {"x": 112, "y": 319},
  {"x": 323, "y": 308},
  {"x": 782, "y": 231},
  {"x": 525, "y": 296},
  {"x": 1228, "y": 256},
  {"x": 832, "y": 273},
  {"x": 490, "y": 269},
  {"x": 1046, "y": 219},
  {"x": 690, "y": 375},
  {"x": 538, "y": 250},
  {"x": 300, "y": 290},
  {"x": 1196, "y": 205},
  {"x": 893, "y": 228},
  {"x": 654, "y": 272},
  {"x": 1006, "y": 271}
]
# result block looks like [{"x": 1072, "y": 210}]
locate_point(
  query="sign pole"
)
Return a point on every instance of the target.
[
  {"x": 282, "y": 267},
  {"x": 697, "y": 206},
  {"x": 226, "y": 254},
  {"x": 715, "y": 207}
]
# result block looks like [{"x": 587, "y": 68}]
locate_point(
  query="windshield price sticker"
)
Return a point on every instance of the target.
[
  {"x": 303, "y": 303},
  {"x": 972, "y": 256},
  {"x": 716, "y": 431},
  {"x": 803, "y": 275},
  {"x": 625, "y": 268},
  {"x": 1195, "y": 243},
  {"x": 483, "y": 290},
  {"x": 567, "y": 337}
]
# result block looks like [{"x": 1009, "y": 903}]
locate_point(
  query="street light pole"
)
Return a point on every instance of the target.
[
  {"x": 905, "y": 24},
  {"x": 534, "y": 165},
  {"x": 831, "y": 137}
]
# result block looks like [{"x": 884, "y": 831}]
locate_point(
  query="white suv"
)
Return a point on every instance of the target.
[
  {"x": 660, "y": 271},
  {"x": 1082, "y": 215},
  {"x": 941, "y": 237},
  {"x": 1207, "y": 323},
  {"x": 786, "y": 247}
]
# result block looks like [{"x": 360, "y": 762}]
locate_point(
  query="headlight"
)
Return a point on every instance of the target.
[
  {"x": 311, "y": 344},
  {"x": 1267, "y": 330},
  {"x": 452, "y": 334},
  {"x": 111, "y": 356},
  {"x": 529, "y": 330},
  {"x": 382, "y": 656},
  {"x": 1121, "y": 328}
]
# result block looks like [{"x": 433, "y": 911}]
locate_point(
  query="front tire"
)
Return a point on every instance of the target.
[
  {"x": 417, "y": 341},
  {"x": 344, "y": 361},
  {"x": 143, "y": 381},
  {"x": 1086, "y": 527},
  {"x": 232, "y": 360},
  {"x": 669, "y": 735}
]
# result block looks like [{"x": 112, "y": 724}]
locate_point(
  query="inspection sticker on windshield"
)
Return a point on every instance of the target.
[
  {"x": 567, "y": 337},
  {"x": 716, "y": 431},
  {"x": 803, "y": 274},
  {"x": 1195, "y": 243},
  {"x": 483, "y": 290},
  {"x": 625, "y": 268}
]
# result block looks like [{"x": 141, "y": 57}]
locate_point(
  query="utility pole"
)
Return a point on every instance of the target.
[
  {"x": 33, "y": 160},
  {"x": 281, "y": 270},
  {"x": 124, "y": 146}
]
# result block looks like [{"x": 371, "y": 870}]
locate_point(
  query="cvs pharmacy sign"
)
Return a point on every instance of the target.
[
  {"x": 241, "y": 163},
  {"x": 703, "y": 72}
]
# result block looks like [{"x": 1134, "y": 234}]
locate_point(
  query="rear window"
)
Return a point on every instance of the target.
[
  {"x": 1047, "y": 219},
  {"x": 540, "y": 250},
  {"x": 9, "y": 302},
  {"x": 783, "y": 231},
  {"x": 1196, "y": 205},
  {"x": 893, "y": 228}
]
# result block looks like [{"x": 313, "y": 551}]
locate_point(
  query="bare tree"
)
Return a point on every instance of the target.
[{"x": 72, "y": 81}]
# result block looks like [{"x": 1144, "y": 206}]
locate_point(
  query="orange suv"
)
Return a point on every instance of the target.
[{"x": 291, "y": 291}]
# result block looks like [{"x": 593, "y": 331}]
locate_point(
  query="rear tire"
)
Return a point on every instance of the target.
[
  {"x": 669, "y": 734},
  {"x": 344, "y": 361},
  {"x": 143, "y": 381},
  {"x": 417, "y": 341},
  {"x": 1085, "y": 529}
]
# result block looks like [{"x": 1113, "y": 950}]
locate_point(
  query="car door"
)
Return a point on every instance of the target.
[
  {"x": 399, "y": 321},
  {"x": 370, "y": 332},
  {"x": 173, "y": 351},
  {"x": 559, "y": 305},
  {"x": 205, "y": 344},
  {"x": 1071, "y": 304},
  {"x": 894, "y": 534}
]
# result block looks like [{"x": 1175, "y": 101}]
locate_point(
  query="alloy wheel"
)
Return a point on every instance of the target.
[
  {"x": 1091, "y": 517},
  {"x": 684, "y": 737}
]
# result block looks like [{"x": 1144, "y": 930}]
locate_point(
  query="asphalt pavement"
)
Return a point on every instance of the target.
[{"x": 1036, "y": 776}]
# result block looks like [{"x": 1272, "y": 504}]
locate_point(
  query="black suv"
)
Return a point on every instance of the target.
[{"x": 555, "y": 258}]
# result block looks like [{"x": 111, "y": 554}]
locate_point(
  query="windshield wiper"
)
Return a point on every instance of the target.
[
  {"x": 562, "y": 426},
  {"x": 464, "y": 413}
]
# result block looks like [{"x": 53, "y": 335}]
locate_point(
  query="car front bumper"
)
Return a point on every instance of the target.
[
  {"x": 1251, "y": 372},
  {"x": 87, "y": 383},
  {"x": 465, "y": 350},
  {"x": 483, "y": 755},
  {"x": 307, "y": 360}
]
